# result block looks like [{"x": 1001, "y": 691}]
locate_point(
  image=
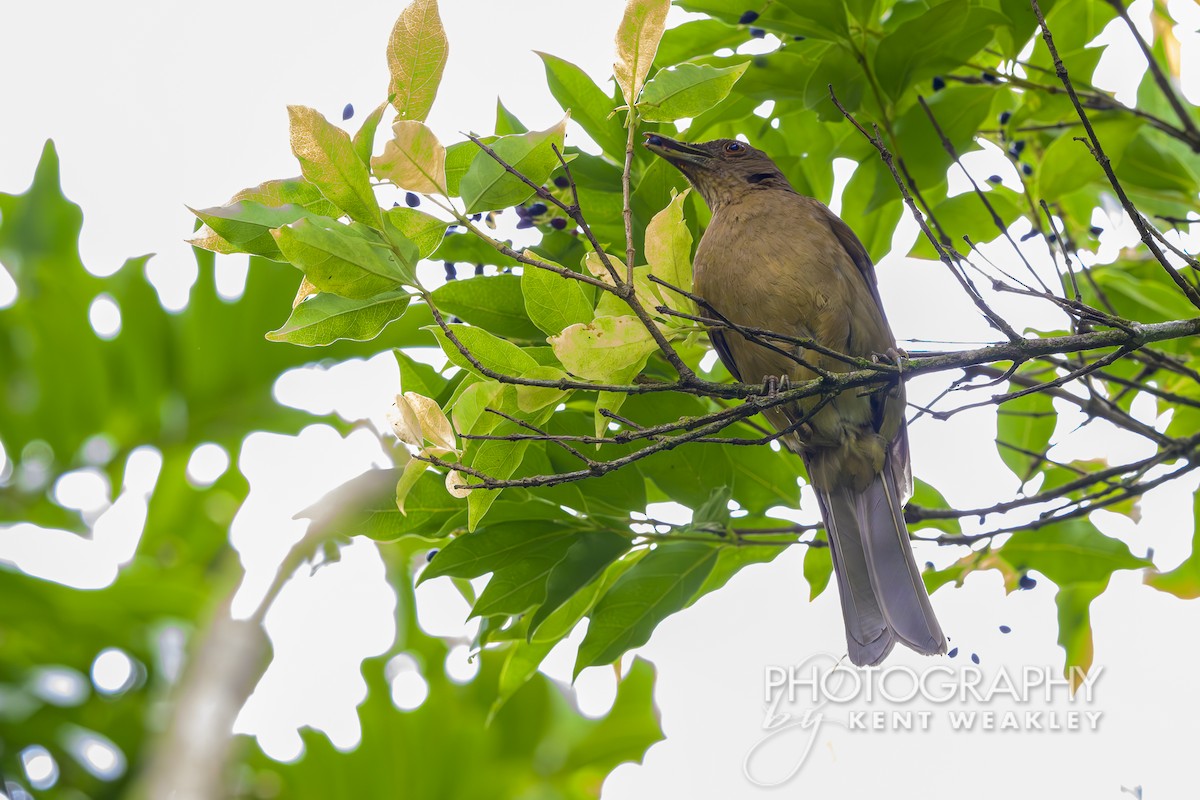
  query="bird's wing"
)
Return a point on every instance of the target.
[
  {"x": 854, "y": 248},
  {"x": 722, "y": 347}
]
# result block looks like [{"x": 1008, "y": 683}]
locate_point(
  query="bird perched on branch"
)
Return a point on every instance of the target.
[{"x": 774, "y": 259}]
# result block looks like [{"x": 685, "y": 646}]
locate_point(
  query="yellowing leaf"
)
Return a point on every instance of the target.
[
  {"x": 328, "y": 160},
  {"x": 416, "y": 54},
  {"x": 637, "y": 41},
  {"x": 605, "y": 348},
  {"x": 455, "y": 479},
  {"x": 669, "y": 251},
  {"x": 404, "y": 421},
  {"x": 434, "y": 426},
  {"x": 413, "y": 159}
]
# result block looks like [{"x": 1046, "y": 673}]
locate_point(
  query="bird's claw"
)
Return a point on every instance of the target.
[
  {"x": 774, "y": 384},
  {"x": 893, "y": 356}
]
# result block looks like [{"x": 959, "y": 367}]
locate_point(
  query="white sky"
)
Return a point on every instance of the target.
[{"x": 155, "y": 105}]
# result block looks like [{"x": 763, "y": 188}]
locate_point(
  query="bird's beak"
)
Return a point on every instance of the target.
[{"x": 678, "y": 153}]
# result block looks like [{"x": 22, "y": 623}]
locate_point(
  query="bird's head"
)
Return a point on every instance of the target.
[{"x": 722, "y": 169}]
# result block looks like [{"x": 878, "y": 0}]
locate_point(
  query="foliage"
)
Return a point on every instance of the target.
[{"x": 574, "y": 395}]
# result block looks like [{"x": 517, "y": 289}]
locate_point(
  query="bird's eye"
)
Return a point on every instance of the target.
[{"x": 735, "y": 147}]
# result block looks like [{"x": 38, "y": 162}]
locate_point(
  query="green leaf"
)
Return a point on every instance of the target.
[
  {"x": 496, "y": 459},
  {"x": 552, "y": 301},
  {"x": 698, "y": 37},
  {"x": 669, "y": 251},
  {"x": 345, "y": 260},
  {"x": 959, "y": 111},
  {"x": 493, "y": 302},
  {"x": 1074, "y": 603},
  {"x": 1028, "y": 423},
  {"x": 1067, "y": 163},
  {"x": 423, "y": 230},
  {"x": 637, "y": 40},
  {"x": 245, "y": 226},
  {"x": 506, "y": 121},
  {"x": 492, "y": 549},
  {"x": 364, "y": 140},
  {"x": 418, "y": 377},
  {"x": 366, "y": 506},
  {"x": 1184, "y": 580},
  {"x": 324, "y": 318},
  {"x": 458, "y": 159},
  {"x": 416, "y": 55},
  {"x": 486, "y": 185},
  {"x": 1069, "y": 552},
  {"x": 589, "y": 556},
  {"x": 413, "y": 159},
  {"x": 942, "y": 38},
  {"x": 329, "y": 161},
  {"x": 818, "y": 567},
  {"x": 926, "y": 496},
  {"x": 657, "y": 586},
  {"x": 459, "y": 247},
  {"x": 522, "y": 585},
  {"x": 965, "y": 215},
  {"x": 687, "y": 90},
  {"x": 588, "y": 104},
  {"x": 492, "y": 352}
]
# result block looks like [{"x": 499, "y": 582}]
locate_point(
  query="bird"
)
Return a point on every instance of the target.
[{"x": 774, "y": 259}]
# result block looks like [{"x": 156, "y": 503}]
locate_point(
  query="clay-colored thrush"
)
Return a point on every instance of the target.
[{"x": 774, "y": 259}]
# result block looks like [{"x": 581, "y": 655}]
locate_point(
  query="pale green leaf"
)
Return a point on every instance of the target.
[
  {"x": 416, "y": 55},
  {"x": 329, "y": 161},
  {"x": 413, "y": 159},
  {"x": 687, "y": 90}
]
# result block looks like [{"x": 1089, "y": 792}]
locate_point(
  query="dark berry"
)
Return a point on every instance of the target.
[
  {"x": 1005, "y": 116},
  {"x": 1005, "y": 629},
  {"x": 953, "y": 653},
  {"x": 989, "y": 78},
  {"x": 537, "y": 209},
  {"x": 1027, "y": 582},
  {"x": 451, "y": 228},
  {"x": 395, "y": 205},
  {"x": 429, "y": 556},
  {"x": 995, "y": 179},
  {"x": 523, "y": 224},
  {"x": 558, "y": 223},
  {"x": 411, "y": 200},
  {"x": 1096, "y": 230},
  {"x": 757, "y": 33},
  {"x": 477, "y": 217},
  {"x": 1018, "y": 147},
  {"x": 928, "y": 565},
  {"x": 748, "y": 17},
  {"x": 938, "y": 83},
  {"x": 1027, "y": 169},
  {"x": 1029, "y": 236},
  {"x": 348, "y": 111},
  {"x": 1052, "y": 237},
  {"x": 479, "y": 269},
  {"x": 798, "y": 38},
  {"x": 562, "y": 182},
  {"x": 450, "y": 273},
  {"x": 974, "y": 658},
  {"x": 522, "y": 212}
]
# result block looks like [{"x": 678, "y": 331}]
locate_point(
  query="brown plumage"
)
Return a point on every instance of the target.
[{"x": 772, "y": 258}]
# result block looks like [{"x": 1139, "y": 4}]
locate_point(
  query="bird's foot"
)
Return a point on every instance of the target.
[
  {"x": 893, "y": 356},
  {"x": 774, "y": 384}
]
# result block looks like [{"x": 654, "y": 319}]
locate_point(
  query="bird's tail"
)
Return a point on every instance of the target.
[{"x": 883, "y": 596}]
